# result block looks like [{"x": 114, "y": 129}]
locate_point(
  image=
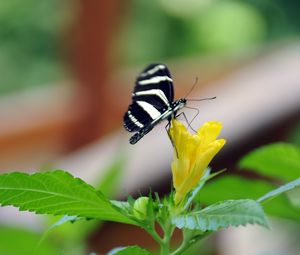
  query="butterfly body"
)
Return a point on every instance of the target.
[{"x": 152, "y": 101}]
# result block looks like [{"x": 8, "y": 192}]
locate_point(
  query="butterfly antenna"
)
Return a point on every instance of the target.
[
  {"x": 202, "y": 99},
  {"x": 194, "y": 85}
]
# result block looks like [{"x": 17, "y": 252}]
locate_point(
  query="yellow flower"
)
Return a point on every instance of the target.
[{"x": 192, "y": 154}]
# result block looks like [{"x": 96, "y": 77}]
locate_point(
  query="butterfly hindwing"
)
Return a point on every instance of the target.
[{"x": 136, "y": 118}]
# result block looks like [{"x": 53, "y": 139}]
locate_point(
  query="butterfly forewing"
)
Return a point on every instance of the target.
[
  {"x": 155, "y": 80},
  {"x": 152, "y": 96}
]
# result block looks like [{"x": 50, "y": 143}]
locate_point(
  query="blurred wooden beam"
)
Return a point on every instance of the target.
[
  {"x": 93, "y": 34},
  {"x": 33, "y": 125}
]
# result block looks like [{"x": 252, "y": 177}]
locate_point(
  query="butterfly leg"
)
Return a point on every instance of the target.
[
  {"x": 197, "y": 110},
  {"x": 167, "y": 127},
  {"x": 189, "y": 123}
]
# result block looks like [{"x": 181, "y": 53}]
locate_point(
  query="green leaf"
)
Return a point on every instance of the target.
[
  {"x": 58, "y": 193},
  {"x": 107, "y": 185},
  {"x": 236, "y": 187},
  {"x": 280, "y": 160},
  {"x": 294, "y": 134},
  {"x": 222, "y": 215},
  {"x": 280, "y": 190},
  {"x": 130, "y": 250},
  {"x": 63, "y": 220},
  {"x": 26, "y": 242},
  {"x": 70, "y": 236}
]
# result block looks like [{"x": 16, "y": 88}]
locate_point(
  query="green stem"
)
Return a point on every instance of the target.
[
  {"x": 154, "y": 235},
  {"x": 165, "y": 246},
  {"x": 187, "y": 243},
  {"x": 184, "y": 245}
]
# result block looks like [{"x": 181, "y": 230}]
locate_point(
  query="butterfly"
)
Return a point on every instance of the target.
[{"x": 152, "y": 101}]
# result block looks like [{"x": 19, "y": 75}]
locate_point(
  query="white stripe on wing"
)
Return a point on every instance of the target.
[
  {"x": 155, "y": 92},
  {"x": 153, "y": 70},
  {"x": 134, "y": 120},
  {"x": 154, "y": 80},
  {"x": 150, "y": 109}
]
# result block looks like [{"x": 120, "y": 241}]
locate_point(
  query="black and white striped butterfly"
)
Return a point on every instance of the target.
[{"x": 152, "y": 101}]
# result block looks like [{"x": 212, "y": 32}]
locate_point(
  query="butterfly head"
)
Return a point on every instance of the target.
[{"x": 179, "y": 104}]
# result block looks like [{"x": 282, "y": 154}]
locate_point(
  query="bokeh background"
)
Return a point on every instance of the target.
[{"x": 67, "y": 69}]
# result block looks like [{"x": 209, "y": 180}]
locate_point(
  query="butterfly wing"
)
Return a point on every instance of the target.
[
  {"x": 153, "y": 94},
  {"x": 155, "y": 77},
  {"x": 136, "y": 118}
]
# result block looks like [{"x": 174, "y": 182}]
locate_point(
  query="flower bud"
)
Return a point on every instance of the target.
[{"x": 140, "y": 208}]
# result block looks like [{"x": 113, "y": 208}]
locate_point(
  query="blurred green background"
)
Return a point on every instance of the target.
[
  {"x": 32, "y": 52},
  {"x": 30, "y": 43},
  {"x": 170, "y": 29}
]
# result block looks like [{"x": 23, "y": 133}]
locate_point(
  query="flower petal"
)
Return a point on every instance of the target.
[
  {"x": 209, "y": 132},
  {"x": 179, "y": 171},
  {"x": 191, "y": 180},
  {"x": 192, "y": 154}
]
